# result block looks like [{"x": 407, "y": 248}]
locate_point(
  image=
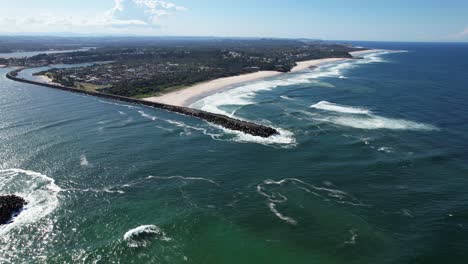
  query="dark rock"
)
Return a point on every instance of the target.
[{"x": 10, "y": 206}]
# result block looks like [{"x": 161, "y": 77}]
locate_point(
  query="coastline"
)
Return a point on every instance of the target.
[
  {"x": 187, "y": 95},
  {"x": 217, "y": 119},
  {"x": 190, "y": 94}
]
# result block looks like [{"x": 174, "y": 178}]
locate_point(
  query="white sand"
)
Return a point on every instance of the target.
[
  {"x": 186, "y": 96},
  {"x": 304, "y": 65},
  {"x": 190, "y": 94}
]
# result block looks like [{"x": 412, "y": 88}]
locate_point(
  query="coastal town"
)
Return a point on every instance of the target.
[{"x": 149, "y": 69}]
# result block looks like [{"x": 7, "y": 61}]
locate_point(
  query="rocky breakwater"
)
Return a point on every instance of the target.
[
  {"x": 221, "y": 120},
  {"x": 10, "y": 206}
]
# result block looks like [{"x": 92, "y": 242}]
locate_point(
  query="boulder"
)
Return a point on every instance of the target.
[{"x": 10, "y": 206}]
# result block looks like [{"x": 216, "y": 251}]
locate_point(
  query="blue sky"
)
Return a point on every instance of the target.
[{"x": 398, "y": 20}]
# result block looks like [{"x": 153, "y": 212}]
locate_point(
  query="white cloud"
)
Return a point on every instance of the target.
[
  {"x": 463, "y": 33},
  {"x": 124, "y": 13}
]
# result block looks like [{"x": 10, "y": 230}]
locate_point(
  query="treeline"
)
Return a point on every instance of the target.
[{"x": 146, "y": 70}]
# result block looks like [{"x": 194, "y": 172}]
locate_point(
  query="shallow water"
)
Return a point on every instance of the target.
[{"x": 370, "y": 168}]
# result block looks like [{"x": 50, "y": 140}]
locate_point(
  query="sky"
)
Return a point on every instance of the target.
[{"x": 369, "y": 20}]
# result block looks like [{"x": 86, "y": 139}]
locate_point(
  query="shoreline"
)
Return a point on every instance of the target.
[
  {"x": 186, "y": 96},
  {"x": 191, "y": 94},
  {"x": 217, "y": 119}
]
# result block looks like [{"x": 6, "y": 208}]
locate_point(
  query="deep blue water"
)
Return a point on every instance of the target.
[{"x": 371, "y": 167}]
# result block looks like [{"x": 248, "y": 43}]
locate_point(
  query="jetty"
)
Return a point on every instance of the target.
[{"x": 217, "y": 119}]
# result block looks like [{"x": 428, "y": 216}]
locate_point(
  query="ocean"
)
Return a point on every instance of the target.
[{"x": 371, "y": 167}]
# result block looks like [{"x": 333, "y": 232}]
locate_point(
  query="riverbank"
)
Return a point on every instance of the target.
[{"x": 189, "y": 95}]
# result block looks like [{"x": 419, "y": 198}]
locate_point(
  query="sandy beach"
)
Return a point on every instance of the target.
[
  {"x": 190, "y": 94},
  {"x": 2, "y": 66},
  {"x": 304, "y": 65}
]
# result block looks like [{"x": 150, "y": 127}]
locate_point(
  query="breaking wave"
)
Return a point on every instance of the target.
[
  {"x": 245, "y": 94},
  {"x": 228, "y": 102},
  {"x": 143, "y": 235},
  {"x": 362, "y": 118},
  {"x": 324, "y": 105},
  {"x": 285, "y": 138},
  {"x": 40, "y": 191},
  {"x": 374, "y": 122}
]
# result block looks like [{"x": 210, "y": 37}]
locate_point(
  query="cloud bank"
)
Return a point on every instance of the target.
[
  {"x": 463, "y": 34},
  {"x": 125, "y": 14}
]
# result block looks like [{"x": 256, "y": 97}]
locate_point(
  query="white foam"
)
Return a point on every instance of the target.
[
  {"x": 142, "y": 235},
  {"x": 324, "y": 105},
  {"x": 285, "y": 97},
  {"x": 228, "y": 102},
  {"x": 325, "y": 193},
  {"x": 40, "y": 191},
  {"x": 112, "y": 103},
  {"x": 385, "y": 149},
  {"x": 359, "y": 117},
  {"x": 287, "y": 219},
  {"x": 374, "y": 122},
  {"x": 94, "y": 190},
  {"x": 285, "y": 138},
  {"x": 84, "y": 161},
  {"x": 245, "y": 94},
  {"x": 354, "y": 235},
  {"x": 145, "y": 115}
]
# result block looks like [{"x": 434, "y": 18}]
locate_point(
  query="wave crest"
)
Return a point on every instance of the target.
[
  {"x": 143, "y": 235},
  {"x": 324, "y": 105},
  {"x": 40, "y": 191},
  {"x": 362, "y": 118}
]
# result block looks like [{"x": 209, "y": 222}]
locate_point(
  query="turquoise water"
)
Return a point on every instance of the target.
[{"x": 371, "y": 167}]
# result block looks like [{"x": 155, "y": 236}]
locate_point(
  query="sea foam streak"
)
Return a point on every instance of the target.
[
  {"x": 145, "y": 115},
  {"x": 324, "y": 105},
  {"x": 374, "y": 122},
  {"x": 182, "y": 178},
  {"x": 40, "y": 191},
  {"x": 325, "y": 193},
  {"x": 358, "y": 117},
  {"x": 142, "y": 235}
]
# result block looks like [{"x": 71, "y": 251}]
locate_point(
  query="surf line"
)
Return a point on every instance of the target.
[{"x": 218, "y": 119}]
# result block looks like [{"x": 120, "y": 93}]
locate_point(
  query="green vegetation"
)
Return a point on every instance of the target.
[{"x": 146, "y": 69}]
